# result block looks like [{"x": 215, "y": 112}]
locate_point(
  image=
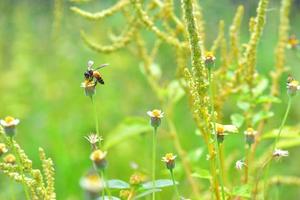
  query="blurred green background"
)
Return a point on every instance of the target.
[{"x": 41, "y": 68}]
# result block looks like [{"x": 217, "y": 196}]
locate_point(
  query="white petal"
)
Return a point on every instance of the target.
[
  {"x": 230, "y": 128},
  {"x": 150, "y": 113}
]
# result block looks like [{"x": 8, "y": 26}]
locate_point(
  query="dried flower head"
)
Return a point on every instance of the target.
[
  {"x": 99, "y": 158},
  {"x": 250, "y": 135},
  {"x": 3, "y": 149},
  {"x": 239, "y": 164},
  {"x": 9, "y": 124},
  {"x": 292, "y": 86},
  {"x": 278, "y": 153},
  {"x": 92, "y": 183},
  {"x": 169, "y": 159},
  {"x": 10, "y": 159},
  {"x": 93, "y": 139},
  {"x": 292, "y": 42},
  {"x": 209, "y": 59},
  {"x": 156, "y": 116},
  {"x": 137, "y": 178},
  {"x": 89, "y": 87}
]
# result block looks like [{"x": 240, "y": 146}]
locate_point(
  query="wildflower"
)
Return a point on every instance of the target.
[
  {"x": 209, "y": 59},
  {"x": 156, "y": 116},
  {"x": 92, "y": 183},
  {"x": 9, "y": 124},
  {"x": 99, "y": 158},
  {"x": 10, "y": 159},
  {"x": 89, "y": 87},
  {"x": 222, "y": 130},
  {"x": 239, "y": 164},
  {"x": 136, "y": 178},
  {"x": 124, "y": 194},
  {"x": 3, "y": 149},
  {"x": 292, "y": 86},
  {"x": 292, "y": 42},
  {"x": 93, "y": 139},
  {"x": 169, "y": 159},
  {"x": 90, "y": 63},
  {"x": 278, "y": 153},
  {"x": 250, "y": 135}
]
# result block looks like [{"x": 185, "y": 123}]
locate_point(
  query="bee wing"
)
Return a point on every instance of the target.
[{"x": 104, "y": 65}]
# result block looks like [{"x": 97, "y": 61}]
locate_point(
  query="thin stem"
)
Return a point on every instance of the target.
[
  {"x": 276, "y": 141},
  {"x": 211, "y": 97},
  {"x": 106, "y": 186},
  {"x": 95, "y": 115},
  {"x": 12, "y": 191},
  {"x": 174, "y": 184},
  {"x": 19, "y": 168},
  {"x": 153, "y": 159},
  {"x": 222, "y": 162},
  {"x": 247, "y": 163}
]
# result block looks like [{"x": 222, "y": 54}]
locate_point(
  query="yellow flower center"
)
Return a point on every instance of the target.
[
  {"x": 293, "y": 41},
  {"x": 294, "y": 83},
  {"x": 156, "y": 113},
  {"x": 169, "y": 156},
  {"x": 209, "y": 56},
  {"x": 220, "y": 129},
  {"x": 9, "y": 119},
  {"x": 98, "y": 155},
  {"x": 93, "y": 178}
]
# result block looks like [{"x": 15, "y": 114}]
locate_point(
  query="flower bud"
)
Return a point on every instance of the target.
[
  {"x": 10, "y": 159},
  {"x": 250, "y": 136},
  {"x": 89, "y": 88},
  {"x": 99, "y": 159},
  {"x": 9, "y": 124},
  {"x": 155, "y": 117},
  {"x": 209, "y": 59},
  {"x": 3, "y": 149},
  {"x": 169, "y": 159}
]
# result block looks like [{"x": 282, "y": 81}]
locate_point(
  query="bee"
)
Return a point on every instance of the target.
[{"x": 90, "y": 74}]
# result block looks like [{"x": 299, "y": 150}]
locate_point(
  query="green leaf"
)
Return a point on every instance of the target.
[
  {"x": 262, "y": 115},
  {"x": 242, "y": 191},
  {"x": 175, "y": 91},
  {"x": 243, "y": 105},
  {"x": 130, "y": 127},
  {"x": 108, "y": 198},
  {"x": 287, "y": 132},
  {"x": 202, "y": 173},
  {"x": 267, "y": 99},
  {"x": 158, "y": 184},
  {"x": 147, "y": 192},
  {"x": 237, "y": 119},
  {"x": 117, "y": 184}
]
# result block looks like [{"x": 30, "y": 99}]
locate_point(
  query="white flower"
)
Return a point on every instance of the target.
[
  {"x": 280, "y": 153},
  {"x": 91, "y": 183},
  {"x": 223, "y": 129},
  {"x": 156, "y": 113},
  {"x": 239, "y": 164},
  {"x": 9, "y": 122}
]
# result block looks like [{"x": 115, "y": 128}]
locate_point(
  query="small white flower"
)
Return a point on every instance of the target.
[
  {"x": 239, "y": 164},
  {"x": 9, "y": 122},
  {"x": 278, "y": 153},
  {"x": 91, "y": 183},
  {"x": 156, "y": 113},
  {"x": 223, "y": 129}
]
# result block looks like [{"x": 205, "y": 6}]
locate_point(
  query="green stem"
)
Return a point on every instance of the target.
[
  {"x": 12, "y": 191},
  {"x": 106, "y": 186},
  {"x": 153, "y": 159},
  {"x": 19, "y": 168},
  {"x": 174, "y": 184},
  {"x": 247, "y": 163},
  {"x": 95, "y": 115},
  {"x": 276, "y": 141},
  {"x": 211, "y": 97}
]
